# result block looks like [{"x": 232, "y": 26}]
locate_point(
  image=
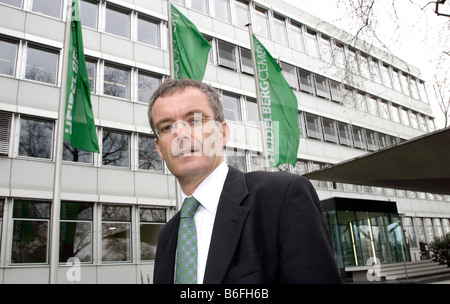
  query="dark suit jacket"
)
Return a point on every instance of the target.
[{"x": 268, "y": 229}]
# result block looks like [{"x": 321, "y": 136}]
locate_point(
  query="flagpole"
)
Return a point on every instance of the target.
[
  {"x": 56, "y": 204},
  {"x": 258, "y": 97}
]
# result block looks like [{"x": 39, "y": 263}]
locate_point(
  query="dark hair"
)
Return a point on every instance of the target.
[{"x": 172, "y": 86}]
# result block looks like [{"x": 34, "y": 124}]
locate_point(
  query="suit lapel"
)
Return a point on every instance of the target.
[
  {"x": 166, "y": 253},
  {"x": 228, "y": 224}
]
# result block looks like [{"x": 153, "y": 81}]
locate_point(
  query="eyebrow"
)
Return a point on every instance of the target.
[{"x": 186, "y": 115}]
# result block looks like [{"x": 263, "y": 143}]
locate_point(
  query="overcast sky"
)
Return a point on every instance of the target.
[{"x": 418, "y": 37}]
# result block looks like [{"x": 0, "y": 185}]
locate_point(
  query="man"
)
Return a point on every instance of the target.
[{"x": 258, "y": 227}]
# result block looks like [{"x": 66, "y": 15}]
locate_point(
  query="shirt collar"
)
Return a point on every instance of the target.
[{"x": 209, "y": 191}]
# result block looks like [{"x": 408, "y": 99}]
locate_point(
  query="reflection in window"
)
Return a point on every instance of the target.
[
  {"x": 30, "y": 231},
  {"x": 16, "y": 3},
  {"x": 222, "y": 10},
  {"x": 231, "y": 108},
  {"x": 89, "y": 13},
  {"x": 5, "y": 132},
  {"x": 330, "y": 130},
  {"x": 375, "y": 70},
  {"x": 336, "y": 91},
  {"x": 345, "y": 134},
  {"x": 51, "y": 8},
  {"x": 8, "y": 53},
  {"x": 325, "y": 50},
  {"x": 339, "y": 55},
  {"x": 297, "y": 38},
  {"x": 311, "y": 43},
  {"x": 386, "y": 75},
  {"x": 91, "y": 67},
  {"x": 36, "y": 138},
  {"x": 279, "y": 28},
  {"x": 147, "y": 85},
  {"x": 372, "y": 107},
  {"x": 313, "y": 126},
  {"x": 116, "y": 82},
  {"x": 200, "y": 5},
  {"x": 75, "y": 232},
  {"x": 116, "y": 149},
  {"x": 246, "y": 60},
  {"x": 252, "y": 112},
  {"x": 236, "y": 159},
  {"x": 151, "y": 223},
  {"x": 76, "y": 155},
  {"x": 322, "y": 88},
  {"x": 358, "y": 138},
  {"x": 384, "y": 109},
  {"x": 148, "y": 31},
  {"x": 306, "y": 81},
  {"x": 41, "y": 65},
  {"x": 396, "y": 80},
  {"x": 257, "y": 161},
  {"x": 395, "y": 114},
  {"x": 116, "y": 233},
  {"x": 117, "y": 22},
  {"x": 290, "y": 74},
  {"x": 364, "y": 66},
  {"x": 372, "y": 141},
  {"x": 148, "y": 156},
  {"x": 242, "y": 13}
]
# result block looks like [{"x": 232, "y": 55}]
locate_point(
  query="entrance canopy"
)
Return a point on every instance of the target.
[{"x": 419, "y": 164}]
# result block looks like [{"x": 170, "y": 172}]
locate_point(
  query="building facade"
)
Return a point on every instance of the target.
[{"x": 353, "y": 99}]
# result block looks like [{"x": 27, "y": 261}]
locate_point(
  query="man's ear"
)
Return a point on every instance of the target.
[
  {"x": 158, "y": 148},
  {"x": 225, "y": 133}
]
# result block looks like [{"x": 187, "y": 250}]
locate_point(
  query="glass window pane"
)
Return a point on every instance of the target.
[
  {"x": 322, "y": 88},
  {"x": 91, "y": 67},
  {"x": 395, "y": 115},
  {"x": 358, "y": 138},
  {"x": 290, "y": 74},
  {"x": 116, "y": 242},
  {"x": 227, "y": 54},
  {"x": 147, "y": 85},
  {"x": 236, "y": 159},
  {"x": 200, "y": 5},
  {"x": 386, "y": 75},
  {"x": 31, "y": 209},
  {"x": 148, "y": 156},
  {"x": 279, "y": 28},
  {"x": 242, "y": 14},
  {"x": 29, "y": 244},
  {"x": 372, "y": 107},
  {"x": 148, "y": 240},
  {"x": 231, "y": 108},
  {"x": 364, "y": 66},
  {"x": 117, "y": 22},
  {"x": 8, "y": 54},
  {"x": 325, "y": 49},
  {"x": 375, "y": 70},
  {"x": 16, "y": 3},
  {"x": 246, "y": 61},
  {"x": 117, "y": 82},
  {"x": 222, "y": 10},
  {"x": 345, "y": 135},
  {"x": 75, "y": 241},
  {"x": 76, "y": 211},
  {"x": 252, "y": 112},
  {"x": 313, "y": 126},
  {"x": 76, "y": 155},
  {"x": 148, "y": 32},
  {"x": 262, "y": 23},
  {"x": 48, "y": 7},
  {"x": 153, "y": 215},
  {"x": 36, "y": 138},
  {"x": 89, "y": 13},
  {"x": 311, "y": 43},
  {"x": 339, "y": 55},
  {"x": 41, "y": 65},
  {"x": 404, "y": 117},
  {"x": 329, "y": 129},
  {"x": 306, "y": 81},
  {"x": 116, "y": 147},
  {"x": 257, "y": 161},
  {"x": 384, "y": 109},
  {"x": 297, "y": 38},
  {"x": 336, "y": 91},
  {"x": 396, "y": 80},
  {"x": 372, "y": 141}
]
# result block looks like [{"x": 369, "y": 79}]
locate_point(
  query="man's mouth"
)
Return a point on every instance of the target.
[{"x": 187, "y": 152}]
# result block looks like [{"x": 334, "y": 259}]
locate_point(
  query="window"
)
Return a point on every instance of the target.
[
  {"x": 290, "y": 74},
  {"x": 345, "y": 134},
  {"x": 91, "y": 67},
  {"x": 116, "y": 82},
  {"x": 322, "y": 87},
  {"x": 147, "y": 85},
  {"x": 375, "y": 71},
  {"x": 311, "y": 43},
  {"x": 231, "y": 108},
  {"x": 200, "y": 5},
  {"x": 413, "y": 119},
  {"x": 422, "y": 122},
  {"x": 325, "y": 49},
  {"x": 117, "y": 22},
  {"x": 16, "y": 3},
  {"x": 386, "y": 75},
  {"x": 252, "y": 112},
  {"x": 76, "y": 155},
  {"x": 246, "y": 61},
  {"x": 279, "y": 28},
  {"x": 396, "y": 80},
  {"x": 431, "y": 125},
  {"x": 2, "y": 201},
  {"x": 404, "y": 117},
  {"x": 242, "y": 13},
  {"x": 30, "y": 231},
  {"x": 148, "y": 156},
  {"x": 222, "y": 10},
  {"x": 339, "y": 55},
  {"x": 297, "y": 38},
  {"x": 52, "y": 8},
  {"x": 262, "y": 22},
  {"x": 148, "y": 31},
  {"x": 257, "y": 162},
  {"x": 404, "y": 83},
  {"x": 358, "y": 138},
  {"x": 36, "y": 137},
  {"x": 395, "y": 114},
  {"x": 8, "y": 55},
  {"x": 5, "y": 132},
  {"x": 352, "y": 62},
  {"x": 364, "y": 66},
  {"x": 384, "y": 109},
  {"x": 116, "y": 149},
  {"x": 75, "y": 239},
  {"x": 336, "y": 91},
  {"x": 301, "y": 167},
  {"x": 236, "y": 159},
  {"x": 42, "y": 65},
  {"x": 360, "y": 101},
  {"x": 414, "y": 88},
  {"x": 306, "y": 81},
  {"x": 372, "y": 141},
  {"x": 329, "y": 130},
  {"x": 226, "y": 54},
  {"x": 372, "y": 107},
  {"x": 151, "y": 222},
  {"x": 89, "y": 13},
  {"x": 116, "y": 233},
  {"x": 313, "y": 126},
  {"x": 422, "y": 91}
]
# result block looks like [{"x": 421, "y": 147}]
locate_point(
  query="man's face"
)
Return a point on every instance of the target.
[{"x": 190, "y": 141}]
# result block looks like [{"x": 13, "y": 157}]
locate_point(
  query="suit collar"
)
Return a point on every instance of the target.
[{"x": 228, "y": 224}]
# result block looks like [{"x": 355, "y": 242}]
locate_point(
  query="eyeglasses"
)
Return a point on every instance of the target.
[{"x": 169, "y": 127}]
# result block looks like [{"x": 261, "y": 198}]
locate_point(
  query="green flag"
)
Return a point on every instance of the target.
[
  {"x": 79, "y": 126},
  {"x": 190, "y": 48},
  {"x": 279, "y": 107}
]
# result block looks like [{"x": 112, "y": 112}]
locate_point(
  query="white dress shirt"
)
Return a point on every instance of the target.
[{"x": 208, "y": 195}]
